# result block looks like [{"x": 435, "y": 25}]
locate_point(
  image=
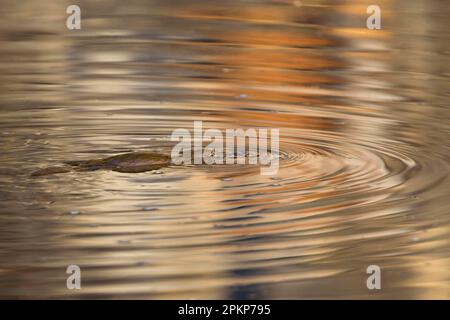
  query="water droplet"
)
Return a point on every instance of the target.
[
  {"x": 74, "y": 212},
  {"x": 227, "y": 179}
]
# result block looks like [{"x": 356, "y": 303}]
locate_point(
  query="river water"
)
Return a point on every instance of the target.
[{"x": 364, "y": 154}]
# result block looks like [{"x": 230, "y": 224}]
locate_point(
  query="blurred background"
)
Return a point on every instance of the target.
[{"x": 364, "y": 142}]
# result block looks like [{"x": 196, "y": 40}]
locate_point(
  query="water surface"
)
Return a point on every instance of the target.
[{"x": 364, "y": 130}]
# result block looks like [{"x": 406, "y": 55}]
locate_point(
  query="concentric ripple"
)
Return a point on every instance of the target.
[{"x": 363, "y": 166}]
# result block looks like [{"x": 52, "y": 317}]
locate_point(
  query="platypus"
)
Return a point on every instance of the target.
[{"x": 128, "y": 162}]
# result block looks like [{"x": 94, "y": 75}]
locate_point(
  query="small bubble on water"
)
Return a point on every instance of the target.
[
  {"x": 150, "y": 209},
  {"x": 74, "y": 212},
  {"x": 227, "y": 179},
  {"x": 415, "y": 239},
  {"x": 243, "y": 96},
  {"x": 124, "y": 242},
  {"x": 158, "y": 172},
  {"x": 275, "y": 185}
]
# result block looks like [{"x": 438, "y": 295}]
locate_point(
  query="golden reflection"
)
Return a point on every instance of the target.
[{"x": 363, "y": 177}]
